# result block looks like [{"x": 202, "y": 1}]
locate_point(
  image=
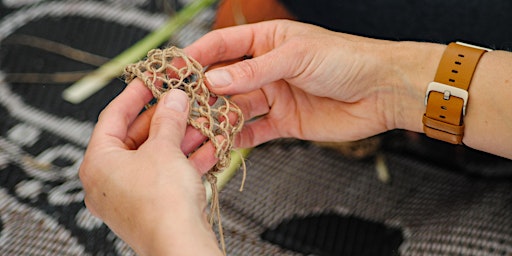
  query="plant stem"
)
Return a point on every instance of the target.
[
  {"x": 99, "y": 78},
  {"x": 223, "y": 177}
]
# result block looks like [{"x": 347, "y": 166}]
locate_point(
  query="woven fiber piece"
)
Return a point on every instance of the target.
[{"x": 171, "y": 68}]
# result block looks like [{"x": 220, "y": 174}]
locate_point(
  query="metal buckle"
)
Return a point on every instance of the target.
[
  {"x": 448, "y": 91},
  {"x": 474, "y": 46}
]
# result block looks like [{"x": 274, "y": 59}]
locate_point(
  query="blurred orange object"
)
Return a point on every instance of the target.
[{"x": 238, "y": 12}]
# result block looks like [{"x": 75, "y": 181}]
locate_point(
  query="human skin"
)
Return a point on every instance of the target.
[
  {"x": 303, "y": 82},
  {"x": 311, "y": 83},
  {"x": 139, "y": 181}
]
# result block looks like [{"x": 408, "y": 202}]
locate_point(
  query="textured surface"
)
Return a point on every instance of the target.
[
  {"x": 441, "y": 200},
  {"x": 438, "y": 211},
  {"x": 42, "y": 137}
]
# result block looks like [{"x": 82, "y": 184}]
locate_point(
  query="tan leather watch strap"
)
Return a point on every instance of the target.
[{"x": 446, "y": 98}]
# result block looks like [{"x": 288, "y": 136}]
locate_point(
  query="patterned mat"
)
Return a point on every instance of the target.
[
  {"x": 299, "y": 199},
  {"x": 43, "y": 137},
  {"x": 316, "y": 202}
]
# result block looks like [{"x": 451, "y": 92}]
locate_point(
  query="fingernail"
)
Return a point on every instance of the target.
[
  {"x": 219, "y": 78},
  {"x": 176, "y": 100}
]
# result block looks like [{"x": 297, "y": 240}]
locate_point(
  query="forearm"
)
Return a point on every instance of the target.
[{"x": 488, "y": 120}]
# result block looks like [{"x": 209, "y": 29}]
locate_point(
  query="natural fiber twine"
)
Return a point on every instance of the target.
[{"x": 218, "y": 118}]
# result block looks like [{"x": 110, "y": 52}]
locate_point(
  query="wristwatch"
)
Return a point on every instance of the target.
[{"x": 447, "y": 96}]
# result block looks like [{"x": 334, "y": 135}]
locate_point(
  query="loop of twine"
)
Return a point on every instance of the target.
[{"x": 220, "y": 121}]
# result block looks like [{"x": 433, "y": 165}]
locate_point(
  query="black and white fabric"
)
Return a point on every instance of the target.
[
  {"x": 43, "y": 137},
  {"x": 299, "y": 199},
  {"x": 314, "y": 201}
]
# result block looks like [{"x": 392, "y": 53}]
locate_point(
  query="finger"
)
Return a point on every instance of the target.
[
  {"x": 204, "y": 158},
  {"x": 262, "y": 41},
  {"x": 193, "y": 138},
  {"x": 169, "y": 121},
  {"x": 138, "y": 131},
  {"x": 229, "y": 43},
  {"x": 115, "y": 120},
  {"x": 252, "y": 104},
  {"x": 224, "y": 63},
  {"x": 254, "y": 73},
  {"x": 257, "y": 132}
]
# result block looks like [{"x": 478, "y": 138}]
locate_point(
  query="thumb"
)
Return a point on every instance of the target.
[
  {"x": 251, "y": 74},
  {"x": 169, "y": 121}
]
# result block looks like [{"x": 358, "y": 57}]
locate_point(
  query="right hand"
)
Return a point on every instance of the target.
[{"x": 142, "y": 169}]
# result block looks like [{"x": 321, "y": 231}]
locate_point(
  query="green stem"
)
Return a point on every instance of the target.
[
  {"x": 223, "y": 177},
  {"x": 99, "y": 78}
]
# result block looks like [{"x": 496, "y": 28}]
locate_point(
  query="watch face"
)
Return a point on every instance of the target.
[{"x": 45, "y": 47}]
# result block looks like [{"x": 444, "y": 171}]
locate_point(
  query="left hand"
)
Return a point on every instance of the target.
[
  {"x": 302, "y": 81},
  {"x": 138, "y": 179}
]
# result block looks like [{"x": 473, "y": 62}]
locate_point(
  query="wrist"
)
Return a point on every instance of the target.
[
  {"x": 185, "y": 238},
  {"x": 179, "y": 234},
  {"x": 412, "y": 67}
]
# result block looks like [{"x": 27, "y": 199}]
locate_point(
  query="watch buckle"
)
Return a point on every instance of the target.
[{"x": 448, "y": 91}]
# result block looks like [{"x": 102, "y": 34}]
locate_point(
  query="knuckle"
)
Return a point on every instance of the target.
[
  {"x": 91, "y": 207},
  {"x": 222, "y": 48},
  {"x": 218, "y": 38},
  {"x": 165, "y": 130},
  {"x": 102, "y": 113},
  {"x": 87, "y": 173},
  {"x": 247, "y": 69},
  {"x": 166, "y": 122},
  {"x": 83, "y": 174}
]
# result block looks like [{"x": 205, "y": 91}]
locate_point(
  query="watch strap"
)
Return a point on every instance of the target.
[{"x": 446, "y": 98}]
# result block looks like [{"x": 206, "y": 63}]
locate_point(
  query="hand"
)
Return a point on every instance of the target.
[
  {"x": 310, "y": 83},
  {"x": 138, "y": 179},
  {"x": 304, "y": 81}
]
